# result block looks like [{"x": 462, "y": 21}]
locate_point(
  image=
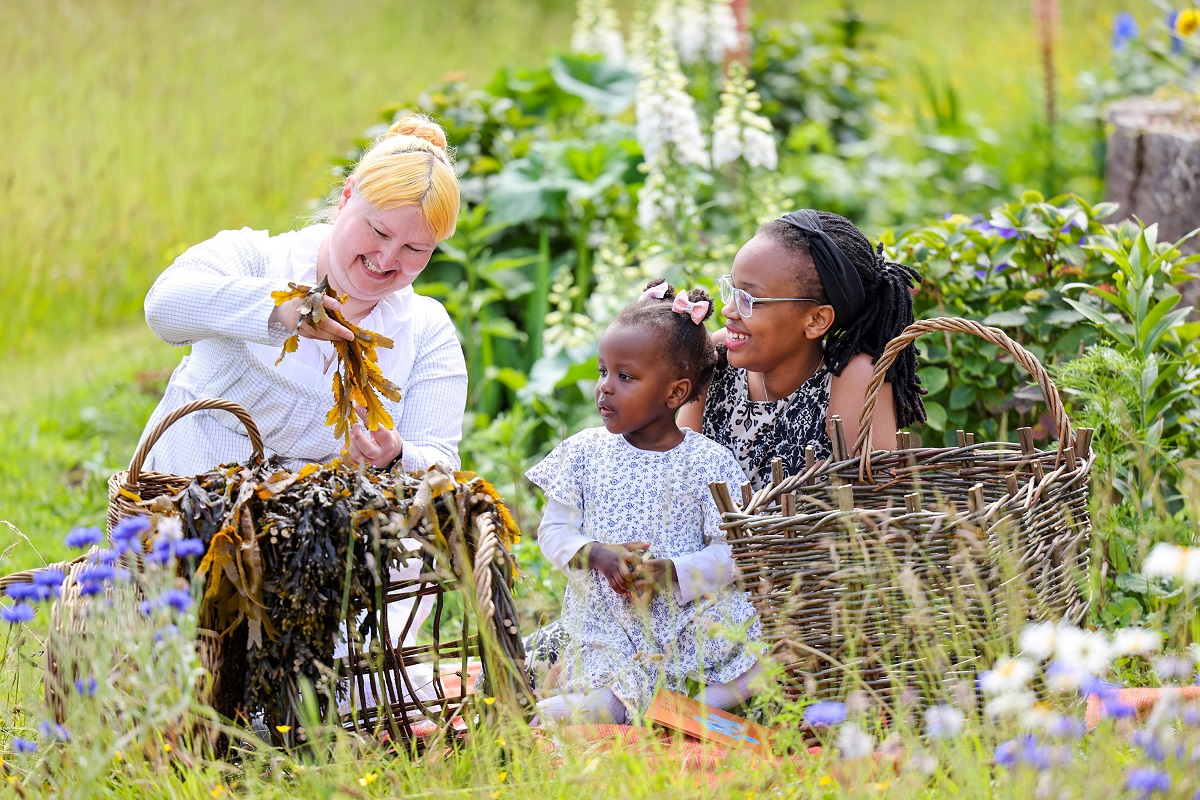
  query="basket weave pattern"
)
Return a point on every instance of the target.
[{"x": 852, "y": 562}]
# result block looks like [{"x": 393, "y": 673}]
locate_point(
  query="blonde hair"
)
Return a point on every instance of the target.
[{"x": 411, "y": 165}]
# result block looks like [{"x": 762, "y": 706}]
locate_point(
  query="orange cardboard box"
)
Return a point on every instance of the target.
[{"x": 682, "y": 713}]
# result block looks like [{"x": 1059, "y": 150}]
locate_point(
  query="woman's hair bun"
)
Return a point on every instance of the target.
[{"x": 420, "y": 126}]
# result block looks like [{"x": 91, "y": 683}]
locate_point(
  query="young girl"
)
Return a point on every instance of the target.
[{"x": 630, "y": 520}]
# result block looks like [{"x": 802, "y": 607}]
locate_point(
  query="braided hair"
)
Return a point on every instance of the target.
[
  {"x": 682, "y": 342},
  {"x": 888, "y": 309}
]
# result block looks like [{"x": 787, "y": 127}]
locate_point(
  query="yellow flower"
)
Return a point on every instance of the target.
[
  {"x": 502, "y": 776},
  {"x": 368, "y": 779},
  {"x": 118, "y": 755},
  {"x": 825, "y": 780},
  {"x": 957, "y": 219},
  {"x": 489, "y": 700},
  {"x": 500, "y": 741},
  {"x": 166, "y": 748},
  {"x": 881, "y": 786},
  {"x": 1035, "y": 295},
  {"x": 283, "y": 728},
  {"x": 1187, "y": 22},
  {"x": 217, "y": 790}
]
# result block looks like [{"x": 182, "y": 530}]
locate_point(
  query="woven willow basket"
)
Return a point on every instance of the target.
[
  {"x": 385, "y": 694},
  {"x": 883, "y": 571}
]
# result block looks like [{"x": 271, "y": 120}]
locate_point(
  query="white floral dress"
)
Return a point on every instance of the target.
[{"x": 632, "y": 495}]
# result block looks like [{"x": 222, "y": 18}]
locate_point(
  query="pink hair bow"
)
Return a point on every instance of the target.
[
  {"x": 658, "y": 291},
  {"x": 697, "y": 310}
]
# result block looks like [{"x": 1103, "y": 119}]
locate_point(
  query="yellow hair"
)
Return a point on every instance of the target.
[{"x": 411, "y": 166}]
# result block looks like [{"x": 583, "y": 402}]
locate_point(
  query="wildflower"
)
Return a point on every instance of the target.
[
  {"x": 217, "y": 790},
  {"x": 489, "y": 700},
  {"x": 166, "y": 747},
  {"x": 1167, "y": 560},
  {"x": 79, "y": 538},
  {"x": 853, "y": 742},
  {"x": 283, "y": 728},
  {"x": 104, "y": 557},
  {"x": 86, "y": 686},
  {"x": 129, "y": 531},
  {"x": 1009, "y": 703},
  {"x": 738, "y": 130},
  {"x": 1061, "y": 726},
  {"x": 53, "y": 731},
  {"x": 1037, "y": 640},
  {"x": 597, "y": 30},
  {"x": 1006, "y": 675},
  {"x": 825, "y": 712},
  {"x": 1113, "y": 706},
  {"x": 922, "y": 762},
  {"x": 368, "y": 779},
  {"x": 18, "y": 612},
  {"x": 165, "y": 632},
  {"x": 700, "y": 28},
  {"x": 502, "y": 776},
  {"x": 825, "y": 780},
  {"x": 1006, "y": 753},
  {"x": 51, "y": 577},
  {"x": 92, "y": 580},
  {"x": 189, "y": 548},
  {"x": 177, "y": 599},
  {"x": 1125, "y": 30},
  {"x": 1035, "y": 295},
  {"x": 1147, "y": 781},
  {"x": 20, "y": 745},
  {"x": 1136, "y": 641},
  {"x": 666, "y": 114},
  {"x": 1151, "y": 744},
  {"x": 1088, "y": 651},
  {"x": 943, "y": 722},
  {"x": 1187, "y": 21},
  {"x": 25, "y": 592},
  {"x": 1172, "y": 669}
]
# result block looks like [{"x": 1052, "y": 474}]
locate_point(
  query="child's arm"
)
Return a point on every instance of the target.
[
  {"x": 705, "y": 571},
  {"x": 561, "y": 538}
]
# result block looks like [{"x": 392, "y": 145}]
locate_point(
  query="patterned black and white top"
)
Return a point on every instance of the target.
[{"x": 758, "y": 431}]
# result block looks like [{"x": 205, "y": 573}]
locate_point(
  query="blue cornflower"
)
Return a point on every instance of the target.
[
  {"x": 128, "y": 531},
  {"x": 1097, "y": 686},
  {"x": 825, "y": 712},
  {"x": 144, "y": 608},
  {"x": 105, "y": 557},
  {"x": 50, "y": 580},
  {"x": 86, "y": 686},
  {"x": 1035, "y": 754},
  {"x": 189, "y": 548},
  {"x": 161, "y": 551},
  {"x": 1113, "y": 706},
  {"x": 178, "y": 599},
  {"x": 1147, "y": 780},
  {"x": 1176, "y": 41},
  {"x": 1064, "y": 727},
  {"x": 53, "y": 731},
  {"x": 93, "y": 579},
  {"x": 1125, "y": 29},
  {"x": 20, "y": 745},
  {"x": 1007, "y": 753},
  {"x": 981, "y": 273},
  {"x": 19, "y": 612},
  {"x": 166, "y": 632},
  {"x": 80, "y": 538},
  {"x": 20, "y": 592}
]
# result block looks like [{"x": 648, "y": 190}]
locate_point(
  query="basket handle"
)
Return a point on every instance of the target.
[
  {"x": 866, "y": 420},
  {"x": 209, "y": 404}
]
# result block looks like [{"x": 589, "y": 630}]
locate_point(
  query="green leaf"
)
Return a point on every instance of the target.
[
  {"x": 934, "y": 379},
  {"x": 962, "y": 396},
  {"x": 609, "y": 87},
  {"x": 935, "y": 415},
  {"x": 1006, "y": 319}
]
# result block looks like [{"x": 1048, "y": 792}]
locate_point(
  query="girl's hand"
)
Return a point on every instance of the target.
[
  {"x": 288, "y": 315},
  {"x": 654, "y": 576},
  {"x": 618, "y": 563},
  {"x": 378, "y": 448}
]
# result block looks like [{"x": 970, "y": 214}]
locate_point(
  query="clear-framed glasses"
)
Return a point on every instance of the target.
[{"x": 744, "y": 302}]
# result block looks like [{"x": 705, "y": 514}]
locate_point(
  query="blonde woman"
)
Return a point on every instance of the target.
[{"x": 400, "y": 202}]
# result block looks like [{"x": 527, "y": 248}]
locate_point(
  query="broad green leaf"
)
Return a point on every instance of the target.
[
  {"x": 962, "y": 396},
  {"x": 608, "y": 87},
  {"x": 935, "y": 415},
  {"x": 934, "y": 379},
  {"x": 1006, "y": 319}
]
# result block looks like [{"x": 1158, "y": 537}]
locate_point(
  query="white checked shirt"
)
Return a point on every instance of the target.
[{"x": 217, "y": 297}]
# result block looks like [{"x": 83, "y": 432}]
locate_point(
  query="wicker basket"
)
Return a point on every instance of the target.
[
  {"x": 882, "y": 571},
  {"x": 484, "y": 630}
]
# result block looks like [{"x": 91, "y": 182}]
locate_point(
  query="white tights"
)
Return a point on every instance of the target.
[{"x": 602, "y": 706}]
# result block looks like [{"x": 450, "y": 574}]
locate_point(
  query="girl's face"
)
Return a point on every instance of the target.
[
  {"x": 776, "y": 332},
  {"x": 636, "y": 390},
  {"x": 372, "y": 253}
]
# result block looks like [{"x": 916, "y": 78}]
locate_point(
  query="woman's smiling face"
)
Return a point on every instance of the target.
[
  {"x": 776, "y": 331},
  {"x": 372, "y": 253}
]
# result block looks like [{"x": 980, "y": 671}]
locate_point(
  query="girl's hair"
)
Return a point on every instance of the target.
[
  {"x": 684, "y": 343},
  {"x": 888, "y": 309},
  {"x": 410, "y": 165}
]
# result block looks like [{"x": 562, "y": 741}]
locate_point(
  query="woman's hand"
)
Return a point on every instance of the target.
[
  {"x": 288, "y": 315},
  {"x": 379, "y": 448},
  {"x": 618, "y": 563},
  {"x": 654, "y": 576}
]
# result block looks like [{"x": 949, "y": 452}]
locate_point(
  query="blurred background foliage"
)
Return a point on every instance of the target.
[{"x": 133, "y": 131}]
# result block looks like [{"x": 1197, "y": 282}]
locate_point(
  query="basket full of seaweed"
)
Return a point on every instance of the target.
[{"x": 881, "y": 570}]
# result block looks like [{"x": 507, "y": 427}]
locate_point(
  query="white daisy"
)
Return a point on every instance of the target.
[
  {"x": 1006, "y": 675},
  {"x": 1136, "y": 642}
]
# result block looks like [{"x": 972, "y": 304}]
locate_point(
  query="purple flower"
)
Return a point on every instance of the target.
[
  {"x": 1147, "y": 781},
  {"x": 1099, "y": 687},
  {"x": 92, "y": 580},
  {"x": 189, "y": 548},
  {"x": 165, "y": 632},
  {"x": 1125, "y": 29},
  {"x": 1007, "y": 753},
  {"x": 1149, "y": 744},
  {"x": 177, "y": 599},
  {"x": 50, "y": 580},
  {"x": 144, "y": 608},
  {"x": 825, "y": 712},
  {"x": 129, "y": 531},
  {"x": 21, "y": 592},
  {"x": 19, "y": 612},
  {"x": 1116, "y": 708},
  {"x": 1176, "y": 42},
  {"x": 165, "y": 548},
  {"x": 106, "y": 557},
  {"x": 1064, "y": 727},
  {"x": 52, "y": 731},
  {"x": 981, "y": 274},
  {"x": 80, "y": 538},
  {"x": 86, "y": 686},
  {"x": 20, "y": 745}
]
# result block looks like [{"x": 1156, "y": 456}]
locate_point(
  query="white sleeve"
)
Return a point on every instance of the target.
[
  {"x": 216, "y": 290},
  {"x": 435, "y": 398},
  {"x": 560, "y": 537},
  {"x": 704, "y": 571}
]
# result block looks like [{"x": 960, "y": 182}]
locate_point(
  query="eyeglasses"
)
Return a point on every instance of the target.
[{"x": 744, "y": 302}]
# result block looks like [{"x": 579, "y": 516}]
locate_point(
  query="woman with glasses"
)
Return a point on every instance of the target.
[{"x": 809, "y": 307}]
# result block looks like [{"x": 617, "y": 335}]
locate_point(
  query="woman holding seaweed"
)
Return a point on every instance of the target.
[{"x": 400, "y": 201}]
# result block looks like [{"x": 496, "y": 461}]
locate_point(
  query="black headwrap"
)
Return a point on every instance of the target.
[{"x": 838, "y": 276}]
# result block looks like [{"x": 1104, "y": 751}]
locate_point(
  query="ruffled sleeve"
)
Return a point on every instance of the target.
[{"x": 560, "y": 474}]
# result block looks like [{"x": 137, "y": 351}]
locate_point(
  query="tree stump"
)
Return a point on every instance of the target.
[{"x": 1153, "y": 168}]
